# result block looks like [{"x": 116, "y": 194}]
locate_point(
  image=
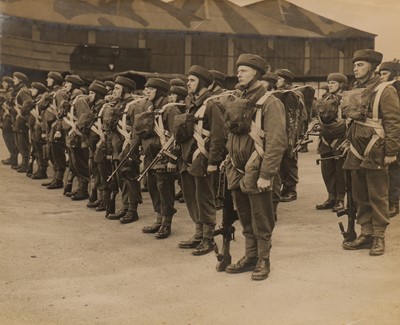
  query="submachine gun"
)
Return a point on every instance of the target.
[
  {"x": 313, "y": 130},
  {"x": 229, "y": 216}
]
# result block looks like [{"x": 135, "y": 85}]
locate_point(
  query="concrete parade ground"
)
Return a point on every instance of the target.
[{"x": 62, "y": 263}]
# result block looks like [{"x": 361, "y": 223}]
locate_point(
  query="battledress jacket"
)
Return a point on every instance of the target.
[
  {"x": 360, "y": 135},
  {"x": 241, "y": 170},
  {"x": 213, "y": 121},
  {"x": 25, "y": 103}
]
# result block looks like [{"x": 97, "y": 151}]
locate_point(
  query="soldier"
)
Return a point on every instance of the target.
[
  {"x": 289, "y": 170},
  {"x": 389, "y": 71},
  {"x": 38, "y": 91},
  {"x": 333, "y": 133},
  {"x": 62, "y": 101},
  {"x": 22, "y": 105},
  {"x": 218, "y": 86},
  {"x": 255, "y": 148},
  {"x": 49, "y": 116},
  {"x": 374, "y": 136},
  {"x": 202, "y": 150},
  {"x": 160, "y": 179},
  {"x": 269, "y": 80},
  {"x": 7, "y": 130},
  {"x": 117, "y": 127}
]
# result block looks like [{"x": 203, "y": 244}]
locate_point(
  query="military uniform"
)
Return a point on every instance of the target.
[{"x": 374, "y": 136}]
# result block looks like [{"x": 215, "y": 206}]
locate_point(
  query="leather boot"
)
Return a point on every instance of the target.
[
  {"x": 116, "y": 216},
  {"x": 152, "y": 229},
  {"x": 165, "y": 229},
  {"x": 48, "y": 183},
  {"x": 58, "y": 183},
  {"x": 190, "y": 243},
  {"x": 245, "y": 264},
  {"x": 289, "y": 196},
  {"x": 6, "y": 161},
  {"x": 103, "y": 204},
  {"x": 95, "y": 204},
  {"x": 131, "y": 216},
  {"x": 40, "y": 174},
  {"x": 328, "y": 204},
  {"x": 378, "y": 246},
  {"x": 339, "y": 206},
  {"x": 67, "y": 188},
  {"x": 262, "y": 269},
  {"x": 362, "y": 241},
  {"x": 206, "y": 246},
  {"x": 82, "y": 193},
  {"x": 93, "y": 196},
  {"x": 393, "y": 209}
]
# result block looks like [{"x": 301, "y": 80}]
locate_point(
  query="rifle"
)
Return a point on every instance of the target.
[
  {"x": 350, "y": 211},
  {"x": 311, "y": 131},
  {"x": 344, "y": 145},
  {"x": 229, "y": 216},
  {"x": 114, "y": 191},
  {"x": 130, "y": 156},
  {"x": 163, "y": 152}
]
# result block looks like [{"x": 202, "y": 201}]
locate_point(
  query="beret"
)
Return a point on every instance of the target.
[
  {"x": 178, "y": 90},
  {"x": 109, "y": 83},
  {"x": 201, "y": 73},
  {"x": 74, "y": 79},
  {"x": 125, "y": 82},
  {"x": 390, "y": 66},
  {"x": 219, "y": 76},
  {"x": 56, "y": 76},
  {"x": 271, "y": 77},
  {"x": 338, "y": 77},
  {"x": 368, "y": 55},
  {"x": 98, "y": 87},
  {"x": 253, "y": 61},
  {"x": 21, "y": 76},
  {"x": 157, "y": 83},
  {"x": 177, "y": 82},
  {"x": 8, "y": 80},
  {"x": 285, "y": 73},
  {"x": 39, "y": 86}
]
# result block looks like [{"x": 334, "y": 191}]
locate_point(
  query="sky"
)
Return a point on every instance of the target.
[{"x": 380, "y": 17}]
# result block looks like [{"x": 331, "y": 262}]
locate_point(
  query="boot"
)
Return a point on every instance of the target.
[
  {"x": 22, "y": 169},
  {"x": 152, "y": 229},
  {"x": 67, "y": 188},
  {"x": 58, "y": 183},
  {"x": 328, "y": 204},
  {"x": 339, "y": 206},
  {"x": 378, "y": 246},
  {"x": 206, "y": 246},
  {"x": 362, "y": 241},
  {"x": 95, "y": 204},
  {"x": 190, "y": 243},
  {"x": 82, "y": 193},
  {"x": 262, "y": 269},
  {"x": 103, "y": 204},
  {"x": 39, "y": 175},
  {"x": 116, "y": 216},
  {"x": 165, "y": 229},
  {"x": 93, "y": 196},
  {"x": 48, "y": 183},
  {"x": 393, "y": 209},
  {"x": 131, "y": 216},
  {"x": 6, "y": 161},
  {"x": 245, "y": 264}
]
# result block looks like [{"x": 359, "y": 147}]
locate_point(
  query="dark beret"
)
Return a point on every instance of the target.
[
  {"x": 98, "y": 87},
  {"x": 178, "y": 90},
  {"x": 338, "y": 77},
  {"x": 39, "y": 86},
  {"x": 390, "y": 66},
  {"x": 368, "y": 55},
  {"x": 253, "y": 61},
  {"x": 8, "y": 80},
  {"x": 177, "y": 82},
  {"x": 56, "y": 76},
  {"x": 21, "y": 76},
  {"x": 285, "y": 73},
  {"x": 123, "y": 81},
  {"x": 74, "y": 79},
  {"x": 109, "y": 83},
  {"x": 270, "y": 77},
  {"x": 201, "y": 73},
  {"x": 157, "y": 83},
  {"x": 219, "y": 76}
]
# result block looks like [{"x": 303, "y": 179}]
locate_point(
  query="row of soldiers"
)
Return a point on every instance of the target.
[{"x": 195, "y": 128}]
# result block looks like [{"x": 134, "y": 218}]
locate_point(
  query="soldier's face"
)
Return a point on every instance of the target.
[
  {"x": 172, "y": 98},
  {"x": 16, "y": 81},
  {"x": 50, "y": 82},
  {"x": 385, "y": 75},
  {"x": 361, "y": 69},
  {"x": 91, "y": 96},
  {"x": 68, "y": 86},
  {"x": 245, "y": 75},
  {"x": 34, "y": 92},
  {"x": 280, "y": 82},
  {"x": 333, "y": 86},
  {"x": 192, "y": 84},
  {"x": 150, "y": 92},
  {"x": 117, "y": 92}
]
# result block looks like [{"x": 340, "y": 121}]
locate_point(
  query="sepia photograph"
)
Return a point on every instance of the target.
[{"x": 196, "y": 162}]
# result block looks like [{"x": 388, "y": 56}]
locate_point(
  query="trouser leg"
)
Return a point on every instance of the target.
[{"x": 188, "y": 192}]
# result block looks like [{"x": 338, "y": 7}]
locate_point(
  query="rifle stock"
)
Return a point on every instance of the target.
[{"x": 311, "y": 131}]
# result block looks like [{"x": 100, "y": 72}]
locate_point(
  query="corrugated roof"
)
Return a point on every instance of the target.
[
  {"x": 222, "y": 16},
  {"x": 291, "y": 15},
  {"x": 133, "y": 14}
]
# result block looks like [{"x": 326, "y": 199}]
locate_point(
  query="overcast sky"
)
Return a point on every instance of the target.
[{"x": 381, "y": 17}]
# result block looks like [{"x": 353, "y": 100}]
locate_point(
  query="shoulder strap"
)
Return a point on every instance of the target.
[{"x": 379, "y": 91}]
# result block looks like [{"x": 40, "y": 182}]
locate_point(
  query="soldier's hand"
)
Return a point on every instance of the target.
[
  {"x": 263, "y": 184},
  {"x": 171, "y": 168},
  {"x": 109, "y": 157},
  {"x": 212, "y": 169},
  {"x": 390, "y": 160}
]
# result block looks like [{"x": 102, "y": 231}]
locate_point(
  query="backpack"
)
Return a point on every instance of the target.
[
  {"x": 144, "y": 124},
  {"x": 239, "y": 115},
  {"x": 183, "y": 127}
]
